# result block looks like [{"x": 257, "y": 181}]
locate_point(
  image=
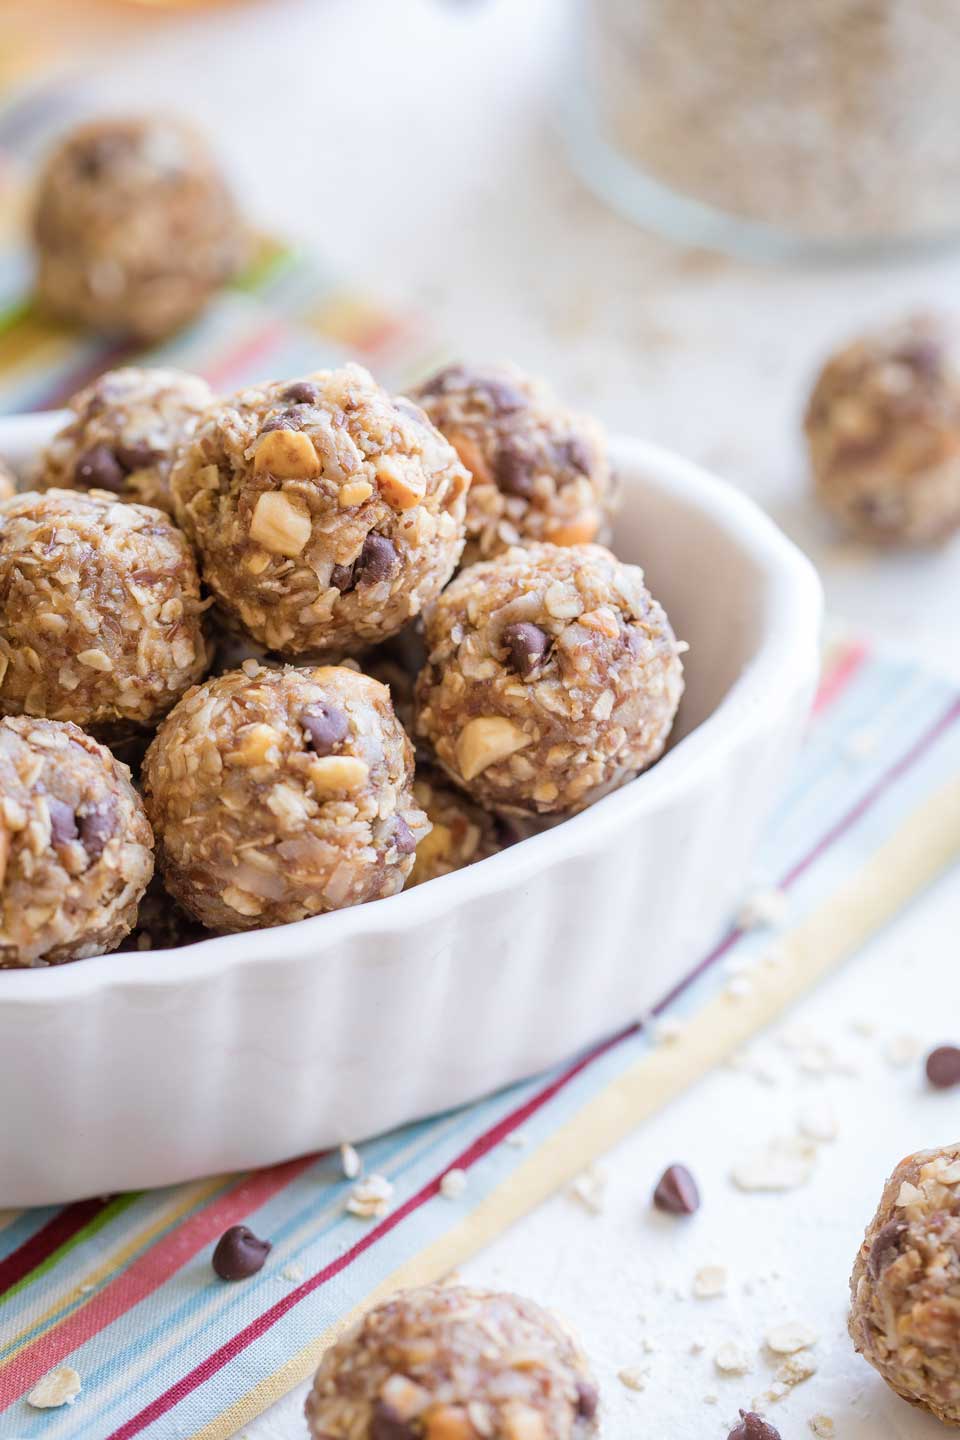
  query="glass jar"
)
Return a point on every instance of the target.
[{"x": 773, "y": 126}]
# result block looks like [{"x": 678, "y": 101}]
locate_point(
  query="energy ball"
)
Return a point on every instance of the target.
[
  {"x": 161, "y": 924},
  {"x": 123, "y": 433},
  {"x": 8, "y": 481},
  {"x": 76, "y": 851},
  {"x": 905, "y": 1287},
  {"x": 281, "y": 793},
  {"x": 883, "y": 429},
  {"x": 452, "y": 1363},
  {"x": 462, "y": 833},
  {"x": 326, "y": 514},
  {"x": 134, "y": 227},
  {"x": 540, "y": 472},
  {"x": 100, "y": 612},
  {"x": 553, "y": 676}
]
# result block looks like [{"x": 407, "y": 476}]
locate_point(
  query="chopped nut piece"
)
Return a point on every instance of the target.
[
  {"x": 400, "y": 486},
  {"x": 710, "y": 1282},
  {"x": 349, "y": 1161},
  {"x": 333, "y": 774},
  {"x": 453, "y": 1184},
  {"x": 286, "y": 455},
  {"x": 788, "y": 1338},
  {"x": 258, "y": 745},
  {"x": 486, "y": 740},
  {"x": 370, "y": 1197},
  {"x": 732, "y": 1359},
  {"x": 278, "y": 525},
  {"x": 777, "y": 1165},
  {"x": 60, "y": 1387},
  {"x": 354, "y": 493}
]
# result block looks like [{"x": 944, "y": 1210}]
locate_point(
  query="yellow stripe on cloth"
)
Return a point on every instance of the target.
[{"x": 923, "y": 847}]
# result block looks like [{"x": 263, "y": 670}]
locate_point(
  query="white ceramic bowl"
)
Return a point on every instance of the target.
[{"x": 140, "y": 1069}]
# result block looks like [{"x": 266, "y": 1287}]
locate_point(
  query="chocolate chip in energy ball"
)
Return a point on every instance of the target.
[
  {"x": 943, "y": 1067},
  {"x": 99, "y": 469},
  {"x": 528, "y": 646},
  {"x": 302, "y": 392},
  {"x": 386, "y": 1423},
  {"x": 63, "y": 821},
  {"x": 327, "y": 726},
  {"x": 403, "y": 837},
  {"x": 677, "y": 1192},
  {"x": 514, "y": 473},
  {"x": 886, "y": 1247},
  {"x": 239, "y": 1253},
  {"x": 378, "y": 560},
  {"x": 588, "y": 1399},
  {"x": 96, "y": 828},
  {"x": 753, "y": 1427}
]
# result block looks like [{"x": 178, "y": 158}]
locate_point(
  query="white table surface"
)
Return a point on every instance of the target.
[{"x": 411, "y": 140}]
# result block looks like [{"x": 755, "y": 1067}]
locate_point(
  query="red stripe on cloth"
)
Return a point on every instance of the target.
[
  {"x": 251, "y": 349},
  {"x": 46, "y": 1241},
  {"x": 145, "y": 1275},
  {"x": 838, "y": 677},
  {"x": 258, "y": 1327}
]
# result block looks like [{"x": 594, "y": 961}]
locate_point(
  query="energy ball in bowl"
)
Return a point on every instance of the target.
[
  {"x": 123, "y": 433},
  {"x": 462, "y": 833},
  {"x": 326, "y": 514},
  {"x": 883, "y": 430},
  {"x": 553, "y": 676},
  {"x": 452, "y": 1363},
  {"x": 281, "y": 793},
  {"x": 905, "y": 1287},
  {"x": 100, "y": 612},
  {"x": 134, "y": 227},
  {"x": 76, "y": 851},
  {"x": 540, "y": 471}
]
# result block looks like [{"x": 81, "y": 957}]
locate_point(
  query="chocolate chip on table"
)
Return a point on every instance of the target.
[
  {"x": 943, "y": 1066},
  {"x": 302, "y": 392},
  {"x": 97, "y": 827},
  {"x": 403, "y": 837},
  {"x": 378, "y": 560},
  {"x": 326, "y": 726},
  {"x": 63, "y": 821},
  {"x": 239, "y": 1253},
  {"x": 527, "y": 644},
  {"x": 753, "y": 1427},
  {"x": 588, "y": 1399},
  {"x": 513, "y": 472},
  {"x": 677, "y": 1192},
  {"x": 386, "y": 1423},
  {"x": 99, "y": 469},
  {"x": 885, "y": 1247}
]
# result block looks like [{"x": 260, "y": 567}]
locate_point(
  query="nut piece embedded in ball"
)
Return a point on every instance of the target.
[
  {"x": 883, "y": 429},
  {"x": 76, "y": 851},
  {"x": 552, "y": 678},
  {"x": 123, "y": 434},
  {"x": 905, "y": 1287},
  {"x": 134, "y": 227},
  {"x": 281, "y": 793},
  {"x": 326, "y": 514},
  {"x": 100, "y": 612},
  {"x": 452, "y": 1363},
  {"x": 540, "y": 471},
  {"x": 462, "y": 832}
]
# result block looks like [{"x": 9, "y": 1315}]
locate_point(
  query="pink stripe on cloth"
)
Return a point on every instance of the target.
[
  {"x": 251, "y": 349},
  {"x": 838, "y": 677},
  {"x": 144, "y": 1276}
]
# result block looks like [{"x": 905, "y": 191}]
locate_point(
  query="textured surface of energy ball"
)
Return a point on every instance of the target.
[
  {"x": 123, "y": 432},
  {"x": 76, "y": 851},
  {"x": 553, "y": 677},
  {"x": 883, "y": 429},
  {"x": 100, "y": 611},
  {"x": 540, "y": 471},
  {"x": 281, "y": 793},
  {"x": 905, "y": 1287},
  {"x": 326, "y": 514},
  {"x": 462, "y": 833},
  {"x": 452, "y": 1363},
  {"x": 161, "y": 924},
  {"x": 8, "y": 480},
  {"x": 134, "y": 227}
]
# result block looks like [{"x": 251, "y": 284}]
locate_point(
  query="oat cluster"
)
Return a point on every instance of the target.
[{"x": 452, "y": 1363}]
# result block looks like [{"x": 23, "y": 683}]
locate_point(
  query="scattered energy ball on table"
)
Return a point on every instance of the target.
[
  {"x": 540, "y": 472},
  {"x": 451, "y": 1363},
  {"x": 553, "y": 676},
  {"x": 462, "y": 833},
  {"x": 326, "y": 514},
  {"x": 134, "y": 227},
  {"x": 100, "y": 612},
  {"x": 905, "y": 1287},
  {"x": 76, "y": 851},
  {"x": 123, "y": 433},
  {"x": 281, "y": 793},
  {"x": 883, "y": 429}
]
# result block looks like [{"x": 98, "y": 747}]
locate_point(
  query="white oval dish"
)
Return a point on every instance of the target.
[{"x": 141, "y": 1069}]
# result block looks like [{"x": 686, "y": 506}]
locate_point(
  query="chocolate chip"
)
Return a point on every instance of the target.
[
  {"x": 451, "y": 377},
  {"x": 943, "y": 1067},
  {"x": 885, "y": 1247},
  {"x": 63, "y": 821},
  {"x": 99, "y": 469},
  {"x": 378, "y": 560},
  {"x": 505, "y": 399},
  {"x": 677, "y": 1192},
  {"x": 403, "y": 837},
  {"x": 302, "y": 392},
  {"x": 136, "y": 456},
  {"x": 386, "y": 1423},
  {"x": 286, "y": 420},
  {"x": 97, "y": 828},
  {"x": 753, "y": 1427},
  {"x": 513, "y": 472},
  {"x": 925, "y": 356},
  {"x": 239, "y": 1253},
  {"x": 327, "y": 727},
  {"x": 575, "y": 455},
  {"x": 527, "y": 644},
  {"x": 341, "y": 577},
  {"x": 588, "y": 1399}
]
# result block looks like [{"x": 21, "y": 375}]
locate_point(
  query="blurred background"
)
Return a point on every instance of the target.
[{"x": 431, "y": 157}]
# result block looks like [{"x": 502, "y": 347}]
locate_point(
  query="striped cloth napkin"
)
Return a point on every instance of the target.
[{"x": 121, "y": 1289}]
